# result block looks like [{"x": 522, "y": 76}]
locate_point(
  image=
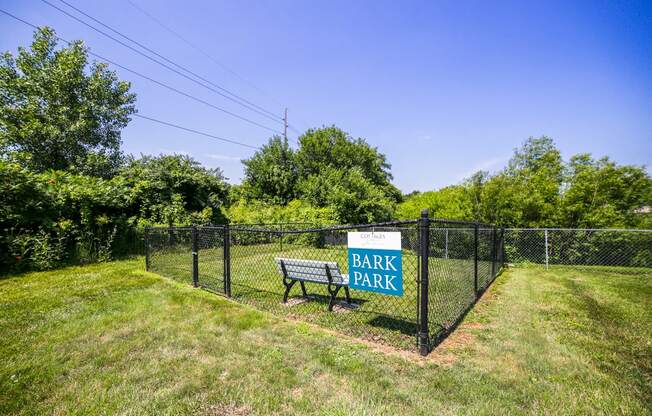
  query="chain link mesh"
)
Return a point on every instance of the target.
[
  {"x": 240, "y": 261},
  {"x": 456, "y": 279},
  {"x": 170, "y": 252},
  {"x": 255, "y": 280},
  {"x": 622, "y": 251},
  {"x": 210, "y": 247}
]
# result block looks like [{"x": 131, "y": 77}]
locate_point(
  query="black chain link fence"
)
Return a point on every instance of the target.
[
  {"x": 464, "y": 259},
  {"x": 446, "y": 267},
  {"x": 624, "y": 251}
]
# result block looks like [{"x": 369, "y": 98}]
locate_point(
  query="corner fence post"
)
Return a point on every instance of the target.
[
  {"x": 475, "y": 258},
  {"x": 195, "y": 257},
  {"x": 147, "y": 248},
  {"x": 227, "y": 261},
  {"x": 494, "y": 252},
  {"x": 424, "y": 250}
]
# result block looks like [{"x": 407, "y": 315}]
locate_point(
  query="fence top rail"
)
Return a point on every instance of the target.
[
  {"x": 261, "y": 227},
  {"x": 460, "y": 222},
  {"x": 332, "y": 228},
  {"x": 234, "y": 224},
  {"x": 638, "y": 230},
  {"x": 173, "y": 228}
]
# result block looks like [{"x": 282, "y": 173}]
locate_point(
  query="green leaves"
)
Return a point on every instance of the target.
[
  {"x": 452, "y": 202},
  {"x": 52, "y": 217},
  {"x": 271, "y": 174},
  {"x": 537, "y": 189},
  {"x": 56, "y": 112},
  {"x": 175, "y": 190},
  {"x": 330, "y": 169}
]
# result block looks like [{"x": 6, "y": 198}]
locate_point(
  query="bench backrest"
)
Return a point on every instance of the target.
[{"x": 311, "y": 270}]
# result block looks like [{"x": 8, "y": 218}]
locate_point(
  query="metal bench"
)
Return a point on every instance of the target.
[{"x": 314, "y": 271}]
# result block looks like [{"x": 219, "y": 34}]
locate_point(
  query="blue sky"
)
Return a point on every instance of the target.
[{"x": 442, "y": 88}]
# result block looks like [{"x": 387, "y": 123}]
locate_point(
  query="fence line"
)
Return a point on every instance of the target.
[
  {"x": 638, "y": 230},
  {"x": 621, "y": 250},
  {"x": 442, "y": 276},
  {"x": 446, "y": 267}
]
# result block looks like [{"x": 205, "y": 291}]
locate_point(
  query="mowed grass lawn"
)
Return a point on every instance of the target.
[
  {"x": 113, "y": 339},
  {"x": 391, "y": 320}
]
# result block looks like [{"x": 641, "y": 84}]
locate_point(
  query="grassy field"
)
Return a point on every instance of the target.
[
  {"x": 112, "y": 339},
  {"x": 391, "y": 320}
]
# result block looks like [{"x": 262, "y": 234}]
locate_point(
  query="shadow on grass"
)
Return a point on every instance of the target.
[
  {"x": 448, "y": 328},
  {"x": 403, "y": 326}
]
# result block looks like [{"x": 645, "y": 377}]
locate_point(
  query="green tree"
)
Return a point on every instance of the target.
[
  {"x": 175, "y": 190},
  {"x": 537, "y": 172},
  {"x": 57, "y": 112},
  {"x": 500, "y": 200},
  {"x": 333, "y": 148},
  {"x": 451, "y": 202},
  {"x": 329, "y": 170},
  {"x": 271, "y": 174},
  {"x": 353, "y": 197},
  {"x": 601, "y": 194},
  {"x": 527, "y": 193}
]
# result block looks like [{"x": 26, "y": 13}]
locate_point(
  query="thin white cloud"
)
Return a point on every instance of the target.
[
  {"x": 424, "y": 137},
  {"x": 488, "y": 165},
  {"x": 174, "y": 152},
  {"x": 225, "y": 157}
]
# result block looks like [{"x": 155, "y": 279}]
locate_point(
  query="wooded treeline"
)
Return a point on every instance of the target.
[{"x": 70, "y": 195}]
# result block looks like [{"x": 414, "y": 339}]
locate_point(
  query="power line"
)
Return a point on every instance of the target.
[
  {"x": 158, "y": 62},
  {"x": 245, "y": 103},
  {"x": 291, "y": 127},
  {"x": 144, "y": 76},
  {"x": 209, "y": 56},
  {"x": 162, "y": 84},
  {"x": 200, "y": 50},
  {"x": 201, "y": 133}
]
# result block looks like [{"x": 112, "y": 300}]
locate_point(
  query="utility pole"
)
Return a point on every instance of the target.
[{"x": 285, "y": 124}]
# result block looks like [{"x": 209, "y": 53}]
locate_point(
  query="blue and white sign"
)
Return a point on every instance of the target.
[{"x": 376, "y": 262}]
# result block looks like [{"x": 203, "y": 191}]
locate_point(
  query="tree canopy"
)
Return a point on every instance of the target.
[
  {"x": 538, "y": 189},
  {"x": 57, "y": 111},
  {"x": 329, "y": 169},
  {"x": 70, "y": 195},
  {"x": 271, "y": 174}
]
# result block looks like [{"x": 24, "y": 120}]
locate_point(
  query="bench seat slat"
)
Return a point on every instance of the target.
[
  {"x": 315, "y": 272},
  {"x": 343, "y": 280},
  {"x": 312, "y": 271}
]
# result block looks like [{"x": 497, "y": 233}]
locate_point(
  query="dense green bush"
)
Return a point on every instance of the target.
[
  {"x": 52, "y": 218},
  {"x": 451, "y": 202},
  {"x": 296, "y": 212}
]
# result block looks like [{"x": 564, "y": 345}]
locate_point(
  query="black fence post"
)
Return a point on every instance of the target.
[
  {"x": 227, "y": 261},
  {"x": 424, "y": 250},
  {"x": 502, "y": 247},
  {"x": 494, "y": 252},
  {"x": 475, "y": 258},
  {"x": 195, "y": 257},
  {"x": 147, "y": 248}
]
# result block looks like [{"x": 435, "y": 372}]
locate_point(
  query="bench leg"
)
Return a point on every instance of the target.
[
  {"x": 288, "y": 286},
  {"x": 333, "y": 293},
  {"x": 303, "y": 288},
  {"x": 348, "y": 295}
]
